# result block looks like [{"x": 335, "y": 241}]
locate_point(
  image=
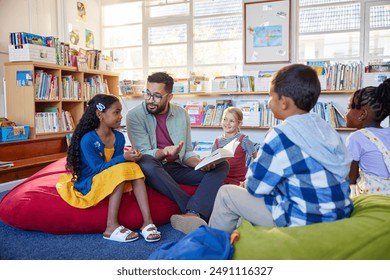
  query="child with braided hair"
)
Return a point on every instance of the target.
[
  {"x": 98, "y": 167},
  {"x": 369, "y": 146}
]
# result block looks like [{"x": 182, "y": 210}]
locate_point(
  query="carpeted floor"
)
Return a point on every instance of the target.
[{"x": 18, "y": 244}]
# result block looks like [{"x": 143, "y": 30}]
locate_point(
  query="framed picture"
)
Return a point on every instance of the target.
[{"x": 267, "y": 31}]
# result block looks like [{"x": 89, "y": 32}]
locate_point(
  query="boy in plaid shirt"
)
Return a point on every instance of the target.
[{"x": 300, "y": 175}]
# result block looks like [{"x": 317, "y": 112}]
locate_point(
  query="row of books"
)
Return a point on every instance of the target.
[
  {"x": 207, "y": 114},
  {"x": 257, "y": 114},
  {"x": 95, "y": 85},
  {"x": 49, "y": 121},
  {"x": 46, "y": 86},
  {"x": 18, "y": 39},
  {"x": 233, "y": 83},
  {"x": 136, "y": 86},
  {"x": 93, "y": 57},
  {"x": 62, "y": 49},
  {"x": 339, "y": 76},
  {"x": 71, "y": 88},
  {"x": 329, "y": 112},
  {"x": 377, "y": 67},
  {"x": 64, "y": 54}
]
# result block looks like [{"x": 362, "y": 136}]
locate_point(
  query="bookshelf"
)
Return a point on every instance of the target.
[
  {"x": 209, "y": 97},
  {"x": 23, "y": 102}
]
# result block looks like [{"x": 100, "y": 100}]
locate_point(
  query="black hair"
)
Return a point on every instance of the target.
[
  {"x": 378, "y": 98},
  {"x": 162, "y": 78},
  {"x": 89, "y": 121},
  {"x": 299, "y": 82}
]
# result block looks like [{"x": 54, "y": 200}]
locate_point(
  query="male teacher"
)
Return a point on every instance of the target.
[{"x": 161, "y": 130}]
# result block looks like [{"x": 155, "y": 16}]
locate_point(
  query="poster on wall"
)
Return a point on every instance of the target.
[
  {"x": 81, "y": 12},
  {"x": 267, "y": 31},
  {"x": 89, "y": 39},
  {"x": 74, "y": 34}
]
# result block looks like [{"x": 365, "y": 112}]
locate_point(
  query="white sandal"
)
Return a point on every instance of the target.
[
  {"x": 118, "y": 235},
  {"x": 148, "y": 230}
]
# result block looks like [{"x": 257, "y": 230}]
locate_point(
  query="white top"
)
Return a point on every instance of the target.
[{"x": 367, "y": 154}]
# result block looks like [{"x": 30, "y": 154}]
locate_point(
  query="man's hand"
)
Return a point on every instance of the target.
[{"x": 173, "y": 150}]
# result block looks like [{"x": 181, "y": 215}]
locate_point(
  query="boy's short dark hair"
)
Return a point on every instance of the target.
[
  {"x": 162, "y": 78},
  {"x": 299, "y": 82}
]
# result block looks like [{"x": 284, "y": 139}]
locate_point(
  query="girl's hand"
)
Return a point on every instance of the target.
[{"x": 132, "y": 154}]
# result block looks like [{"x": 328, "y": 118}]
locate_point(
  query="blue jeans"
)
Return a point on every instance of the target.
[{"x": 166, "y": 177}]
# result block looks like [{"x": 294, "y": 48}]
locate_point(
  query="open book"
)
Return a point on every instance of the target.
[{"x": 220, "y": 154}]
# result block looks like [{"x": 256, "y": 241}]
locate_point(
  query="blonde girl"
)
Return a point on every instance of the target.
[{"x": 231, "y": 122}]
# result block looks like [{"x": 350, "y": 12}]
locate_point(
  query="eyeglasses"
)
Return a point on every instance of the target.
[{"x": 156, "y": 96}]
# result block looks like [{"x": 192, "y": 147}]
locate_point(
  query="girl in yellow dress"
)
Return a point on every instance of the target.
[{"x": 99, "y": 167}]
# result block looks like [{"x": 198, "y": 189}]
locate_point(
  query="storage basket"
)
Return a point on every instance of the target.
[{"x": 14, "y": 133}]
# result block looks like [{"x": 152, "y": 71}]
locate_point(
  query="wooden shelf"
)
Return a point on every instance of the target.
[
  {"x": 186, "y": 95},
  {"x": 236, "y": 94},
  {"x": 30, "y": 156},
  {"x": 22, "y": 104},
  {"x": 258, "y": 127}
]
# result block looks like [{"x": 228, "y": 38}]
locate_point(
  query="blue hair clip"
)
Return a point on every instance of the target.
[{"x": 100, "y": 107}]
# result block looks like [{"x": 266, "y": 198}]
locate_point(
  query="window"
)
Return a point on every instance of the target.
[
  {"x": 122, "y": 38},
  {"x": 217, "y": 28},
  {"x": 343, "y": 30},
  {"x": 177, "y": 36},
  {"x": 205, "y": 36},
  {"x": 378, "y": 27}
]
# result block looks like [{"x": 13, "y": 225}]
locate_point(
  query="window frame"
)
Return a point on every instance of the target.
[{"x": 364, "y": 30}]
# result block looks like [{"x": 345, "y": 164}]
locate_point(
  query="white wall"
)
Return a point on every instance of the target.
[
  {"x": 92, "y": 21},
  {"x": 46, "y": 18}
]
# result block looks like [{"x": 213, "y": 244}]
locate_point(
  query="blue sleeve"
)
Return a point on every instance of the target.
[
  {"x": 248, "y": 146},
  {"x": 266, "y": 172},
  {"x": 214, "y": 147},
  {"x": 92, "y": 153}
]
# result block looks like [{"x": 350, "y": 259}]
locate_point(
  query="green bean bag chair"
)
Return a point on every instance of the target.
[{"x": 363, "y": 236}]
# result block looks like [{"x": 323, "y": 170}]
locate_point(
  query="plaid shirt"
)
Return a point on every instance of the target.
[{"x": 297, "y": 189}]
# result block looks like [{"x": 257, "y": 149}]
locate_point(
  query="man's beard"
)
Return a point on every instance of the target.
[{"x": 157, "y": 111}]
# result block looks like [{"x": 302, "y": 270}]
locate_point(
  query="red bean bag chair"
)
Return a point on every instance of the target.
[{"x": 35, "y": 205}]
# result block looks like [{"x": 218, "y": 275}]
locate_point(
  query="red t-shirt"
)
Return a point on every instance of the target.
[{"x": 162, "y": 135}]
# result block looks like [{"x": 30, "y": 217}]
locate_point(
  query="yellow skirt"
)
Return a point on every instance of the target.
[{"x": 103, "y": 184}]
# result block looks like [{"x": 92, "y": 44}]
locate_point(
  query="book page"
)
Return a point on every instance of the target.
[{"x": 220, "y": 154}]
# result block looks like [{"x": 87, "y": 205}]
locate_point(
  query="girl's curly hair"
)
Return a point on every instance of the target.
[
  {"x": 378, "y": 98},
  {"x": 89, "y": 121}
]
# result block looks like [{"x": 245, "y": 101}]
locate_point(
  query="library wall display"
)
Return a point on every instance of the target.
[
  {"x": 254, "y": 105},
  {"x": 54, "y": 102},
  {"x": 267, "y": 31},
  {"x": 338, "y": 82}
]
